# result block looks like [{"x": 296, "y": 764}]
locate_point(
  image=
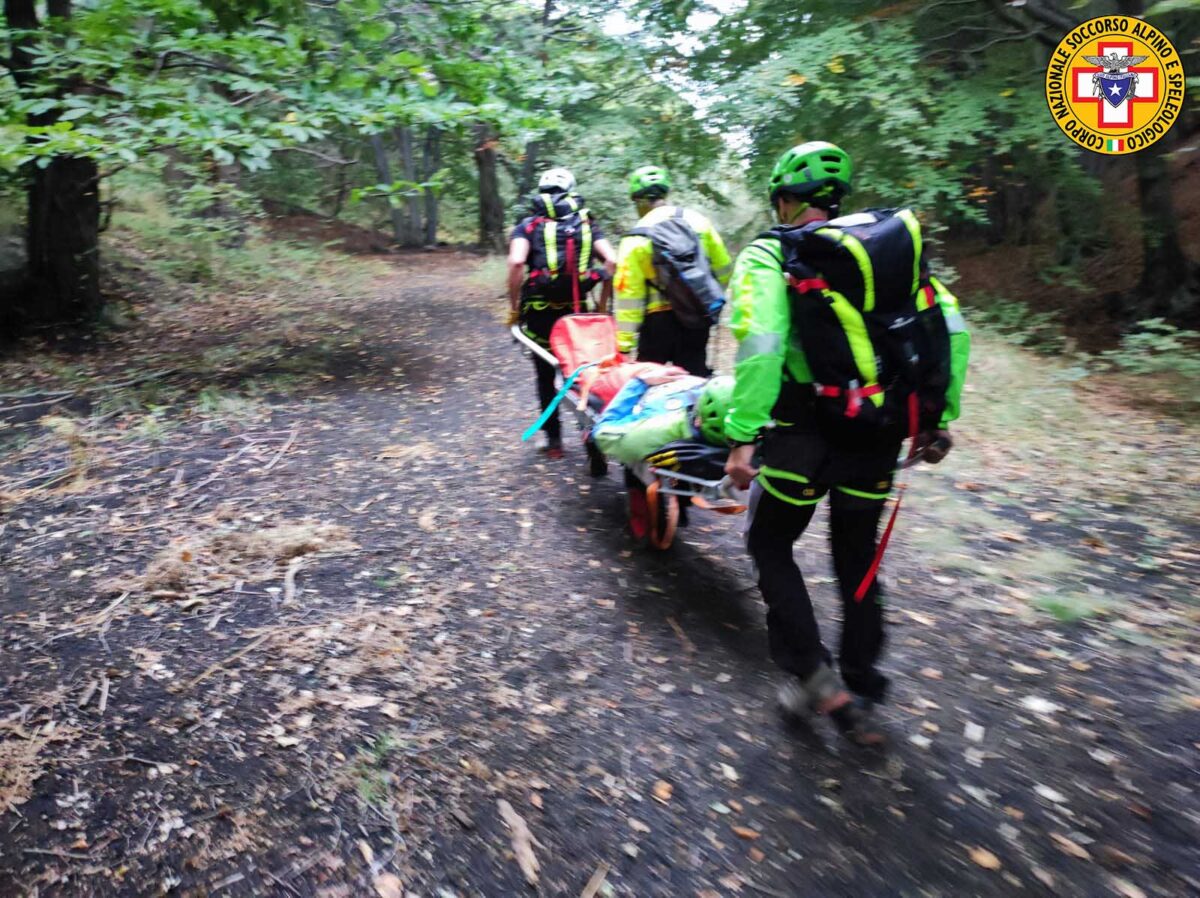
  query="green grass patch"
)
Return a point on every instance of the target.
[{"x": 1069, "y": 607}]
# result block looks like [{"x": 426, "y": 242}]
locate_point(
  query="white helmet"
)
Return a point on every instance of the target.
[{"x": 557, "y": 179}]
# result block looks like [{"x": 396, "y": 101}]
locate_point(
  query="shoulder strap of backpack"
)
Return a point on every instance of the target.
[{"x": 550, "y": 235}]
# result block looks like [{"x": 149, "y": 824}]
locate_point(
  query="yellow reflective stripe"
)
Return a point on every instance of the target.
[
  {"x": 861, "y": 256},
  {"x": 574, "y": 205},
  {"x": 658, "y": 305},
  {"x": 766, "y": 485},
  {"x": 632, "y": 315},
  {"x": 549, "y": 205},
  {"x": 862, "y": 494},
  {"x": 784, "y": 475},
  {"x": 855, "y": 329},
  {"x": 944, "y": 296},
  {"x": 585, "y": 249},
  {"x": 550, "y": 230},
  {"x": 914, "y": 231}
]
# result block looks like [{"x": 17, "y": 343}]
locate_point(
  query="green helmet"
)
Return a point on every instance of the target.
[
  {"x": 811, "y": 170},
  {"x": 711, "y": 408},
  {"x": 649, "y": 181}
]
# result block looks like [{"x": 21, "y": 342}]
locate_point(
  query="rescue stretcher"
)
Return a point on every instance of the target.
[{"x": 588, "y": 341}]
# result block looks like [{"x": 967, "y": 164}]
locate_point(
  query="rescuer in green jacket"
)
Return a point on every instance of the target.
[{"x": 795, "y": 453}]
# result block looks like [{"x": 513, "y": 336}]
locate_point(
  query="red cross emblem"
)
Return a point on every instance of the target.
[{"x": 1109, "y": 117}]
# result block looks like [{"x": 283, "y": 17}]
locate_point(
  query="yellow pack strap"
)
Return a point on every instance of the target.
[
  {"x": 585, "y": 247},
  {"x": 854, "y": 246},
  {"x": 914, "y": 231},
  {"x": 550, "y": 230},
  {"x": 855, "y": 329},
  {"x": 548, "y": 201}
]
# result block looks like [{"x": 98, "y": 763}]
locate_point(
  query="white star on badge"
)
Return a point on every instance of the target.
[{"x": 1115, "y": 90}]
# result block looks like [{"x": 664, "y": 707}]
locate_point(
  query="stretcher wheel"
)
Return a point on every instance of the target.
[{"x": 663, "y": 514}]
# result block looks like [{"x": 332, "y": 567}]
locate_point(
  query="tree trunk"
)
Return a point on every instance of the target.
[
  {"x": 412, "y": 202},
  {"x": 62, "y": 229},
  {"x": 62, "y": 240},
  {"x": 491, "y": 207},
  {"x": 430, "y": 163},
  {"x": 1168, "y": 286},
  {"x": 383, "y": 172}
]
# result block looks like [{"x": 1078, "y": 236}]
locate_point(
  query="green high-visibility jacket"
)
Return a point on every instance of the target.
[{"x": 768, "y": 347}]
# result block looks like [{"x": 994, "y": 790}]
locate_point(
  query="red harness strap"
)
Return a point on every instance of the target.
[
  {"x": 573, "y": 272},
  {"x": 807, "y": 284},
  {"x": 854, "y": 395},
  {"x": 873, "y": 570}
]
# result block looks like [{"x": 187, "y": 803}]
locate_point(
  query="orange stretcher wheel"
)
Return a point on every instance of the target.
[{"x": 664, "y": 517}]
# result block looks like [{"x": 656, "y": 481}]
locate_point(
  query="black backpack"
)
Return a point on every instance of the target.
[
  {"x": 682, "y": 272},
  {"x": 868, "y": 321},
  {"x": 560, "y": 247}
]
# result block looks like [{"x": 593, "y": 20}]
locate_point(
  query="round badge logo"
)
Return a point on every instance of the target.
[{"x": 1115, "y": 85}]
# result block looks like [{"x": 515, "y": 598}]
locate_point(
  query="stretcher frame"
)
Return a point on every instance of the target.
[{"x": 664, "y": 488}]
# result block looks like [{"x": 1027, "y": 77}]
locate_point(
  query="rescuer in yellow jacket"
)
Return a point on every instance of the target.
[{"x": 646, "y": 323}]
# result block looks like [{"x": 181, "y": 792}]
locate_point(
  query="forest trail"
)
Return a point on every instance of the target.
[{"x": 305, "y": 637}]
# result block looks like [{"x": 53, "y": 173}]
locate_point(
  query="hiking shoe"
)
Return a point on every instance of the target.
[
  {"x": 822, "y": 694},
  {"x": 555, "y": 451}
]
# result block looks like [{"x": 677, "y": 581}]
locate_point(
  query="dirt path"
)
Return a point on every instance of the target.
[{"x": 431, "y": 619}]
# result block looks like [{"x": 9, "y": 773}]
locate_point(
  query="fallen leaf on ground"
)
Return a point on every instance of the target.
[
  {"x": 931, "y": 673},
  {"x": 522, "y": 841},
  {"x": 663, "y": 790},
  {"x": 1127, "y": 889},
  {"x": 745, "y": 832},
  {"x": 389, "y": 885},
  {"x": 1068, "y": 847},
  {"x": 1049, "y": 794},
  {"x": 985, "y": 858},
  {"x": 1039, "y": 705},
  {"x": 1025, "y": 668}
]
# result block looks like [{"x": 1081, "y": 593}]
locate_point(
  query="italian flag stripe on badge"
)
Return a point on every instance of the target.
[{"x": 1114, "y": 144}]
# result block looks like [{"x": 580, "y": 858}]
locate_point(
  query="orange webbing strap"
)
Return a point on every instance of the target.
[
  {"x": 873, "y": 570},
  {"x": 664, "y": 539},
  {"x": 701, "y": 502}
]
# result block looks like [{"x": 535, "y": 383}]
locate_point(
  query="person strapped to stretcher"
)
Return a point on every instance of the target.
[{"x": 670, "y": 419}]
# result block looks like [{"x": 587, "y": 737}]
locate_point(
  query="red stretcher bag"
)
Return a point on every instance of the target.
[{"x": 584, "y": 339}]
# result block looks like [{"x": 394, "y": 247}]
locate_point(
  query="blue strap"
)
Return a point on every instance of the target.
[{"x": 567, "y": 384}]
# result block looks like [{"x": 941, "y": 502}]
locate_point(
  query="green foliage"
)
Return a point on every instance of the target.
[
  {"x": 1040, "y": 331},
  {"x": 1158, "y": 347}
]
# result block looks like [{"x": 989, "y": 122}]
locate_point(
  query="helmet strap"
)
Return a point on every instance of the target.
[{"x": 799, "y": 211}]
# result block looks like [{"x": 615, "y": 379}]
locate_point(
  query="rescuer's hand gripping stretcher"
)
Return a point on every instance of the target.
[{"x": 664, "y": 426}]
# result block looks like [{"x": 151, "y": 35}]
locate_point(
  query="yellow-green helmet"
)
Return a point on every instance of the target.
[
  {"x": 711, "y": 408},
  {"x": 649, "y": 181},
  {"x": 812, "y": 170}
]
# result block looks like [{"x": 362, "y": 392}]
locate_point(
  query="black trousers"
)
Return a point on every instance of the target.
[
  {"x": 776, "y": 523},
  {"x": 663, "y": 339},
  {"x": 537, "y": 323}
]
